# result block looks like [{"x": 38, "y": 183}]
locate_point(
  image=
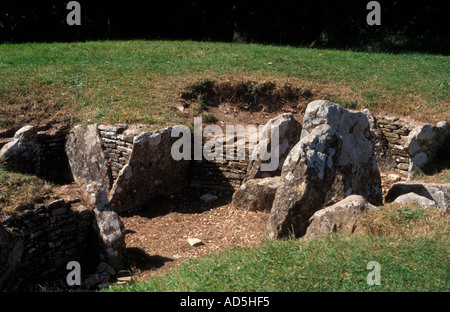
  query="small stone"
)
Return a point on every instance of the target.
[
  {"x": 394, "y": 177},
  {"x": 180, "y": 108},
  {"x": 208, "y": 198},
  {"x": 110, "y": 270},
  {"x": 101, "y": 267},
  {"x": 194, "y": 242},
  {"x": 124, "y": 279},
  {"x": 103, "y": 277},
  {"x": 55, "y": 204},
  {"x": 92, "y": 280},
  {"x": 403, "y": 166}
]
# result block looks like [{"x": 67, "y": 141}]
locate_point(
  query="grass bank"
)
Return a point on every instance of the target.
[
  {"x": 411, "y": 244},
  {"x": 141, "y": 81}
]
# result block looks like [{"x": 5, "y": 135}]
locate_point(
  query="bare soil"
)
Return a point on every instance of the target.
[{"x": 156, "y": 236}]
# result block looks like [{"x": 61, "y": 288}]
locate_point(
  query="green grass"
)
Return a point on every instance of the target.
[
  {"x": 411, "y": 245},
  {"x": 332, "y": 263},
  {"x": 138, "y": 81}
]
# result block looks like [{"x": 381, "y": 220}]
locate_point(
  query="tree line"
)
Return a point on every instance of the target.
[{"x": 405, "y": 25}]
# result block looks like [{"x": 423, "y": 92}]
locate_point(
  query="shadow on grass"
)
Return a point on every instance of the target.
[{"x": 141, "y": 260}]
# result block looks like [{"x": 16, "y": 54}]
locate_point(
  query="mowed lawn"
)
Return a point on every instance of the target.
[{"x": 141, "y": 81}]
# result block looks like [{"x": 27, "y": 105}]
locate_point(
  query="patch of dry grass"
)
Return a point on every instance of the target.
[
  {"x": 19, "y": 191},
  {"x": 407, "y": 221}
]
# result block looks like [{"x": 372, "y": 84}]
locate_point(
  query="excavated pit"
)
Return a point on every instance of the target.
[{"x": 156, "y": 234}]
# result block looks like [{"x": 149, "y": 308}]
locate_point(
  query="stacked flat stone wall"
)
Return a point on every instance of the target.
[
  {"x": 220, "y": 174},
  {"x": 396, "y": 132},
  {"x": 53, "y": 234}
]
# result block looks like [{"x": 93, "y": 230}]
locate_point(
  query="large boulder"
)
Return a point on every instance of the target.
[
  {"x": 288, "y": 135},
  {"x": 150, "y": 170},
  {"x": 308, "y": 173},
  {"x": 437, "y": 192},
  {"x": 423, "y": 142},
  {"x": 341, "y": 217},
  {"x": 357, "y": 170},
  {"x": 86, "y": 158},
  {"x": 21, "y": 153},
  {"x": 414, "y": 198},
  {"x": 256, "y": 194}
]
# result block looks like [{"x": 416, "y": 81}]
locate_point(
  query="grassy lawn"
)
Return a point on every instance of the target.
[
  {"x": 411, "y": 245},
  {"x": 141, "y": 81}
]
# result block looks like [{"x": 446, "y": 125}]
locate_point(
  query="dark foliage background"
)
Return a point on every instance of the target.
[{"x": 405, "y": 25}]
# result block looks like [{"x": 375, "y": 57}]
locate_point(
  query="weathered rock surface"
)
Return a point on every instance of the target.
[
  {"x": 289, "y": 135},
  {"x": 150, "y": 171},
  {"x": 97, "y": 196},
  {"x": 20, "y": 154},
  {"x": 423, "y": 142},
  {"x": 440, "y": 193},
  {"x": 307, "y": 175},
  {"x": 256, "y": 194},
  {"x": 414, "y": 198},
  {"x": 357, "y": 171},
  {"x": 341, "y": 217},
  {"x": 86, "y": 158},
  {"x": 111, "y": 236}
]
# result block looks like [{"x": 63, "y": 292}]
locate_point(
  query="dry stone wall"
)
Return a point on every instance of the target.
[
  {"x": 220, "y": 174},
  {"x": 117, "y": 144},
  {"x": 52, "y": 235},
  {"x": 395, "y": 132}
]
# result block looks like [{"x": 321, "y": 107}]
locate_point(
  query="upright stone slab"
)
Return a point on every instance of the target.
[
  {"x": 110, "y": 231},
  {"x": 357, "y": 171},
  {"x": 289, "y": 135},
  {"x": 86, "y": 158},
  {"x": 150, "y": 171},
  {"x": 308, "y": 173}
]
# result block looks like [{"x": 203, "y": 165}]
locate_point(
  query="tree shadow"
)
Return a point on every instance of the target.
[{"x": 139, "y": 259}]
